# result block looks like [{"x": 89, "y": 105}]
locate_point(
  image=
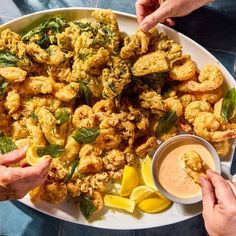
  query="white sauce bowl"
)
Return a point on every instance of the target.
[{"x": 158, "y": 158}]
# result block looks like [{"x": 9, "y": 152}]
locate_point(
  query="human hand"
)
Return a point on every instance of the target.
[
  {"x": 219, "y": 205},
  {"x": 151, "y": 12},
  {"x": 16, "y": 182}
]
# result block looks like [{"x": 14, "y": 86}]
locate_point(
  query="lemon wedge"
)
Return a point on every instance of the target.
[
  {"x": 32, "y": 157},
  {"x": 129, "y": 181},
  {"x": 119, "y": 202},
  {"x": 146, "y": 172},
  {"x": 154, "y": 204},
  {"x": 140, "y": 193}
]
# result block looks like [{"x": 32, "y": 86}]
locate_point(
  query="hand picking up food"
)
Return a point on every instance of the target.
[{"x": 97, "y": 102}]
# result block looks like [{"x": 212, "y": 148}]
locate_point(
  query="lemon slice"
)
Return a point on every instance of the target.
[
  {"x": 119, "y": 202},
  {"x": 32, "y": 158},
  {"x": 154, "y": 204},
  {"x": 129, "y": 181},
  {"x": 140, "y": 193},
  {"x": 146, "y": 172}
]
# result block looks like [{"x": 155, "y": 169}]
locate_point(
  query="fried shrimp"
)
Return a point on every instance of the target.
[
  {"x": 207, "y": 126},
  {"x": 174, "y": 104},
  {"x": 12, "y": 101},
  {"x": 194, "y": 108},
  {"x": 211, "y": 96},
  {"x": 186, "y": 99},
  {"x": 182, "y": 69},
  {"x": 210, "y": 78},
  {"x": 222, "y": 148}
]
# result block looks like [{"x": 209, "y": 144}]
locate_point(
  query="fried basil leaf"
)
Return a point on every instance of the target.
[
  {"x": 7, "y": 59},
  {"x": 83, "y": 26},
  {"x": 228, "y": 104},
  {"x": 85, "y": 93},
  {"x": 52, "y": 150},
  {"x": 86, "y": 135},
  {"x": 3, "y": 86},
  {"x": 71, "y": 170},
  {"x": 83, "y": 56},
  {"x": 153, "y": 81},
  {"x": 44, "y": 42},
  {"x": 45, "y": 31},
  {"x": 33, "y": 116},
  {"x": 86, "y": 206},
  {"x": 107, "y": 31},
  {"x": 166, "y": 123},
  {"x": 231, "y": 95},
  {"x": 6, "y": 144},
  {"x": 62, "y": 116}
]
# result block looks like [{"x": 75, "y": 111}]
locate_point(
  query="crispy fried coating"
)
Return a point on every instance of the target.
[{"x": 154, "y": 62}]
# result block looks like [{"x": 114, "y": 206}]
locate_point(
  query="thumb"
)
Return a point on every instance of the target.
[
  {"x": 157, "y": 16},
  {"x": 13, "y": 157},
  {"x": 208, "y": 195}
]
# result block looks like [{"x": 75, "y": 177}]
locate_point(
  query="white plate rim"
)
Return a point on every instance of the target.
[{"x": 229, "y": 79}]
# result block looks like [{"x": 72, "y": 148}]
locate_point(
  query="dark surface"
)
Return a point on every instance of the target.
[{"x": 214, "y": 27}]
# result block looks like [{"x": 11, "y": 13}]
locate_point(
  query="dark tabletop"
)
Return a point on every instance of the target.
[{"x": 213, "y": 26}]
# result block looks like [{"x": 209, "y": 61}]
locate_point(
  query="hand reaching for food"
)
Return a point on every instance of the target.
[
  {"x": 16, "y": 182},
  {"x": 150, "y": 12},
  {"x": 219, "y": 204}
]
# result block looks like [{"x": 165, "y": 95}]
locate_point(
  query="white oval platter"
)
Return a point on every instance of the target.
[{"x": 118, "y": 219}]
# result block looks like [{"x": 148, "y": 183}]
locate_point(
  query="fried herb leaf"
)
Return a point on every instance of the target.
[
  {"x": 112, "y": 87},
  {"x": 71, "y": 170},
  {"x": 52, "y": 150},
  {"x": 83, "y": 56},
  {"x": 3, "y": 86},
  {"x": 7, "y": 59},
  {"x": 54, "y": 25},
  {"x": 86, "y": 206},
  {"x": 44, "y": 42},
  {"x": 6, "y": 144},
  {"x": 62, "y": 116},
  {"x": 166, "y": 123},
  {"x": 33, "y": 116},
  {"x": 107, "y": 31},
  {"x": 228, "y": 104},
  {"x": 85, "y": 93},
  {"x": 231, "y": 94},
  {"x": 86, "y": 135},
  {"x": 83, "y": 26},
  {"x": 153, "y": 81}
]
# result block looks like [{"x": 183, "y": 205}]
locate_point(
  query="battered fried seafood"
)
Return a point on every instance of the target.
[
  {"x": 96, "y": 101},
  {"x": 194, "y": 165}
]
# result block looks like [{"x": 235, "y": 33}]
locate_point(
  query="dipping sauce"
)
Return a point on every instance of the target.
[{"x": 171, "y": 173}]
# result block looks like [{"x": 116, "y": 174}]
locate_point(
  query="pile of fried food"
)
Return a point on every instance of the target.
[{"x": 97, "y": 100}]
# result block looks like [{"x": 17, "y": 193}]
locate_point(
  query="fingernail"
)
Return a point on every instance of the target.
[
  {"x": 144, "y": 26},
  {"x": 49, "y": 159}
]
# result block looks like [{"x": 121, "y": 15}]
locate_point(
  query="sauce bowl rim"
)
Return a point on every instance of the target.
[{"x": 201, "y": 141}]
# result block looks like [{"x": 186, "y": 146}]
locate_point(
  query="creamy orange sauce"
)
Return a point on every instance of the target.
[{"x": 172, "y": 175}]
